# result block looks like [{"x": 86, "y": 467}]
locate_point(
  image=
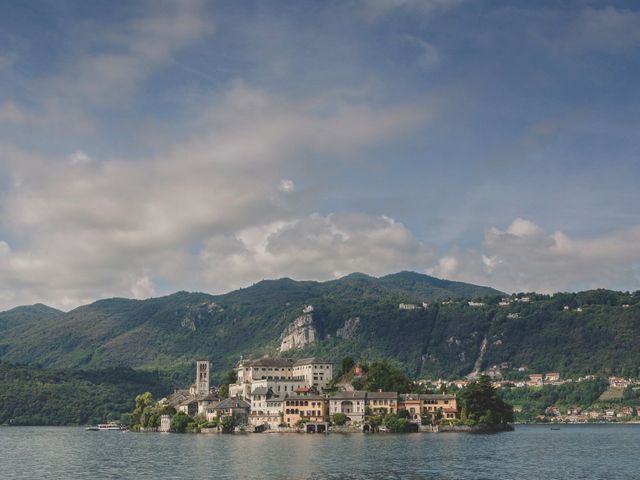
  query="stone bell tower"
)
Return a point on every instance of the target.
[{"x": 203, "y": 368}]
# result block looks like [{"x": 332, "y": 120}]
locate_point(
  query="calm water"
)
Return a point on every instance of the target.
[{"x": 531, "y": 452}]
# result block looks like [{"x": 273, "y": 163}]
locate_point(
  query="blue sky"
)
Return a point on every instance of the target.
[{"x": 155, "y": 146}]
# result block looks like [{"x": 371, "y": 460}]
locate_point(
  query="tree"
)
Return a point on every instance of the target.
[
  {"x": 404, "y": 413},
  {"x": 142, "y": 403},
  {"x": 347, "y": 365},
  {"x": 228, "y": 423},
  {"x": 396, "y": 424},
  {"x": 180, "y": 421},
  {"x": 482, "y": 405},
  {"x": 339, "y": 418},
  {"x": 385, "y": 377},
  {"x": 229, "y": 378}
]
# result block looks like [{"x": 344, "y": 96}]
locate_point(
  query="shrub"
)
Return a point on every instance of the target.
[{"x": 339, "y": 419}]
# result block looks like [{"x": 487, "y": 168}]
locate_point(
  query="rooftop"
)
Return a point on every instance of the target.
[
  {"x": 377, "y": 395},
  {"x": 352, "y": 395}
]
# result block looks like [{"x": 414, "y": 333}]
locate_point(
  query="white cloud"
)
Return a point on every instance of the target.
[
  {"x": 79, "y": 158},
  {"x": 286, "y": 185},
  {"x": 117, "y": 60},
  {"x": 524, "y": 258},
  {"x": 313, "y": 247},
  {"x": 89, "y": 232},
  {"x": 143, "y": 288}
]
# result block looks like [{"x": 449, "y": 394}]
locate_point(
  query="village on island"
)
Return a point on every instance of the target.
[{"x": 288, "y": 395}]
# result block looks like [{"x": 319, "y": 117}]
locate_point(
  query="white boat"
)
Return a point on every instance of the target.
[{"x": 106, "y": 426}]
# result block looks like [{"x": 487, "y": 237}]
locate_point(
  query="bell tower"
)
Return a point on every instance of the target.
[{"x": 203, "y": 368}]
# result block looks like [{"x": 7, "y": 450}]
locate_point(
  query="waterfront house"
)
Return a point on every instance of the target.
[
  {"x": 266, "y": 408},
  {"x": 311, "y": 408},
  {"x": 233, "y": 406},
  {"x": 382, "y": 403},
  {"x": 429, "y": 404},
  {"x": 352, "y": 404}
]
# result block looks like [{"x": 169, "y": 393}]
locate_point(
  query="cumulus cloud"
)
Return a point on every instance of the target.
[
  {"x": 286, "y": 185},
  {"x": 119, "y": 227},
  {"x": 524, "y": 258},
  {"x": 313, "y": 247}
]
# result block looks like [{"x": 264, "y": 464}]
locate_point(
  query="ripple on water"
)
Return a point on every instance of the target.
[{"x": 531, "y": 452}]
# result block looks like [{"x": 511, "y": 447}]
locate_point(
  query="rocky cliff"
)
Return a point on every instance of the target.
[{"x": 299, "y": 333}]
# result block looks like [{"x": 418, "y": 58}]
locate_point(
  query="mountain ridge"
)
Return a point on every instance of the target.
[{"x": 356, "y": 315}]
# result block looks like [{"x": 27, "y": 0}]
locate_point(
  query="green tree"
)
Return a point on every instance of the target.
[
  {"x": 228, "y": 423},
  {"x": 483, "y": 406},
  {"x": 347, "y": 365},
  {"x": 385, "y": 377},
  {"x": 339, "y": 418},
  {"x": 396, "y": 424},
  {"x": 180, "y": 421},
  {"x": 142, "y": 402},
  {"x": 229, "y": 378}
]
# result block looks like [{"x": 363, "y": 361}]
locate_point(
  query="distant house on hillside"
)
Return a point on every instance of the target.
[{"x": 408, "y": 306}]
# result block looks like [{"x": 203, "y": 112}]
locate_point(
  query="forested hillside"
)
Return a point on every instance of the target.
[
  {"x": 358, "y": 315},
  {"x": 36, "y": 396}
]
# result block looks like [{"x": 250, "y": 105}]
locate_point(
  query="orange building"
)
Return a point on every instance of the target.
[
  {"x": 429, "y": 404},
  {"x": 314, "y": 408}
]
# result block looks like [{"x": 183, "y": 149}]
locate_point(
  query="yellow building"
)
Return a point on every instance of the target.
[
  {"x": 429, "y": 404},
  {"x": 314, "y": 408},
  {"x": 381, "y": 403}
]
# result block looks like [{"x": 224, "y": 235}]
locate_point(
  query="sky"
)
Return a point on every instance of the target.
[{"x": 149, "y": 147}]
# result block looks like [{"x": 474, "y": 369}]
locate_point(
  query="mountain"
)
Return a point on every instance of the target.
[
  {"x": 22, "y": 316},
  {"x": 356, "y": 315}
]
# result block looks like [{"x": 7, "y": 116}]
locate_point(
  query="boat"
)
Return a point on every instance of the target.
[
  {"x": 106, "y": 426},
  {"x": 555, "y": 428}
]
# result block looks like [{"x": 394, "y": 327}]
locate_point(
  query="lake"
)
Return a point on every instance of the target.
[{"x": 530, "y": 452}]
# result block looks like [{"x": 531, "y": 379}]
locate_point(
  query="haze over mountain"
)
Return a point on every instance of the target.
[{"x": 357, "y": 315}]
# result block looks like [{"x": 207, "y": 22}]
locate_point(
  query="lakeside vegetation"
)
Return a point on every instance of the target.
[{"x": 36, "y": 396}]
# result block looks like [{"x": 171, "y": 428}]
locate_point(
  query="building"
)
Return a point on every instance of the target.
[
  {"x": 281, "y": 375},
  {"x": 266, "y": 408},
  {"x": 382, "y": 403},
  {"x": 233, "y": 406},
  {"x": 552, "y": 377},
  {"x": 536, "y": 379},
  {"x": 407, "y": 306},
  {"x": 202, "y": 377},
  {"x": 352, "y": 404},
  {"x": 429, "y": 404},
  {"x": 165, "y": 423},
  {"x": 312, "y": 408}
]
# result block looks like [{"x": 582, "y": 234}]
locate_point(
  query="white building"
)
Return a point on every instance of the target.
[
  {"x": 281, "y": 375},
  {"x": 352, "y": 404}
]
